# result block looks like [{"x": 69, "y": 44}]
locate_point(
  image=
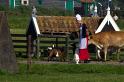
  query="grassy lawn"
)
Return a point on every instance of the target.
[
  {"x": 66, "y": 73},
  {"x": 18, "y": 22},
  {"x": 60, "y": 72},
  {"x": 18, "y": 31}
]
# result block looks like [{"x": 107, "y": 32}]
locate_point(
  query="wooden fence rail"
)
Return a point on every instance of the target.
[{"x": 20, "y": 43}]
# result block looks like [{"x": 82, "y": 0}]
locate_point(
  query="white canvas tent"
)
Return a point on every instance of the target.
[{"x": 108, "y": 19}]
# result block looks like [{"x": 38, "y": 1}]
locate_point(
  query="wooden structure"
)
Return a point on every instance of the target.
[
  {"x": 7, "y": 55},
  {"x": 57, "y": 27},
  {"x": 108, "y": 23}
]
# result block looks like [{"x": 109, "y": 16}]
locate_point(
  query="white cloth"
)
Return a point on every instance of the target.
[
  {"x": 76, "y": 56},
  {"x": 95, "y": 9},
  {"x": 78, "y": 17},
  {"x": 83, "y": 43}
]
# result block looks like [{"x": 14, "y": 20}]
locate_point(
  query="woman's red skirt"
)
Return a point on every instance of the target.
[{"x": 83, "y": 54}]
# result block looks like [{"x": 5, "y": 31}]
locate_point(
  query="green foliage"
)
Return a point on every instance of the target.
[
  {"x": 120, "y": 23},
  {"x": 27, "y": 10},
  {"x": 18, "y": 22},
  {"x": 20, "y": 16},
  {"x": 21, "y": 10},
  {"x": 54, "y": 11},
  {"x": 3, "y": 72},
  {"x": 24, "y": 9},
  {"x": 3, "y": 8}
]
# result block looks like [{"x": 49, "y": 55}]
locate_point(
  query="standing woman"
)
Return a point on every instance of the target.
[{"x": 83, "y": 41}]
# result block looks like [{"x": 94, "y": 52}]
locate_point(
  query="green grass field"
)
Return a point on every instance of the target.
[{"x": 66, "y": 73}]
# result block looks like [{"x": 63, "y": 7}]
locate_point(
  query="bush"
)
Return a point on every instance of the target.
[
  {"x": 23, "y": 9},
  {"x": 20, "y": 16},
  {"x": 3, "y": 8},
  {"x": 54, "y": 11}
]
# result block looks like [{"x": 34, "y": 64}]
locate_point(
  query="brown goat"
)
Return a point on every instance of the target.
[
  {"x": 104, "y": 40},
  {"x": 57, "y": 53}
]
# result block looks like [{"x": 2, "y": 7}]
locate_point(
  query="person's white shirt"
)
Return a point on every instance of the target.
[{"x": 95, "y": 9}]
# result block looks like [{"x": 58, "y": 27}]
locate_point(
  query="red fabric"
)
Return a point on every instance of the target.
[{"x": 84, "y": 54}]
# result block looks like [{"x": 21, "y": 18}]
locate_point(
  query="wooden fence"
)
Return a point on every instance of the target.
[{"x": 20, "y": 44}]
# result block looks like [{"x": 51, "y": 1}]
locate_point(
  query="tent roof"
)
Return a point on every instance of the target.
[{"x": 109, "y": 21}]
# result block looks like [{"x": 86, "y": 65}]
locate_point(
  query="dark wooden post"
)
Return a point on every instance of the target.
[
  {"x": 38, "y": 46},
  {"x": 57, "y": 42},
  {"x": 67, "y": 46},
  {"x": 29, "y": 50}
]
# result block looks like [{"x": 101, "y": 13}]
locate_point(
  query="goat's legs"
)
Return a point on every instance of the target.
[
  {"x": 118, "y": 55},
  {"x": 105, "y": 53}
]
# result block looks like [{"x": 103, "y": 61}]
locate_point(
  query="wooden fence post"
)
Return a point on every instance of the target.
[
  {"x": 38, "y": 47},
  {"x": 57, "y": 42},
  {"x": 29, "y": 45},
  {"x": 67, "y": 46}
]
